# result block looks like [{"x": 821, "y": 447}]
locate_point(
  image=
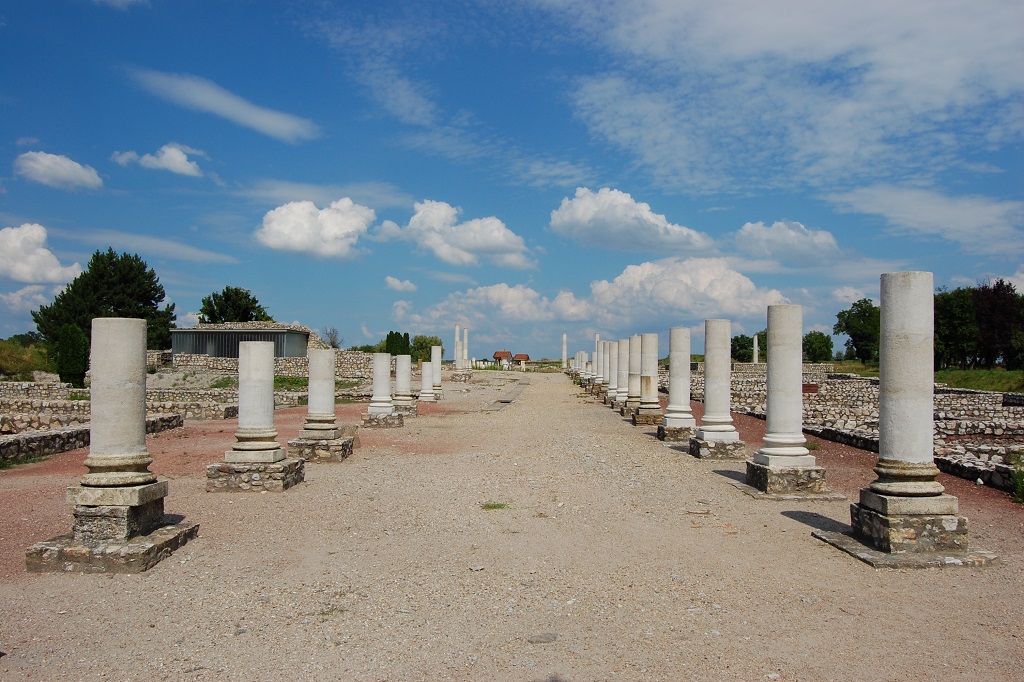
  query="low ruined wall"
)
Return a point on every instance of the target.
[
  {"x": 30, "y": 444},
  {"x": 31, "y": 389},
  {"x": 24, "y": 414},
  {"x": 349, "y": 365}
]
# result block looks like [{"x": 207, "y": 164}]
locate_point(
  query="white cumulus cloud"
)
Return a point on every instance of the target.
[
  {"x": 785, "y": 240},
  {"x": 56, "y": 171},
  {"x": 26, "y": 298},
  {"x": 302, "y": 227},
  {"x": 171, "y": 157},
  {"x": 24, "y": 256},
  {"x": 848, "y": 294},
  {"x": 396, "y": 284},
  {"x": 613, "y": 219},
  {"x": 435, "y": 227},
  {"x": 200, "y": 94}
]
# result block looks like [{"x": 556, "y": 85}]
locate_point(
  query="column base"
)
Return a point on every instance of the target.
[
  {"x": 319, "y": 434},
  {"x": 787, "y": 483},
  {"x": 462, "y": 376},
  {"x": 642, "y": 417},
  {"x": 64, "y": 554},
  {"x": 718, "y": 449},
  {"x": 675, "y": 435},
  {"x": 410, "y": 410},
  {"x": 629, "y": 408},
  {"x": 275, "y": 477},
  {"x": 320, "y": 450},
  {"x": 426, "y": 398},
  {"x": 383, "y": 421},
  {"x": 255, "y": 456}
]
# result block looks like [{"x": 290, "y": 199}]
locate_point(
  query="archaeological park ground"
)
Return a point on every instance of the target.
[{"x": 544, "y": 539}]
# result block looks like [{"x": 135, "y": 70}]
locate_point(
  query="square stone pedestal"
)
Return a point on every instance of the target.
[
  {"x": 229, "y": 477},
  {"x": 671, "y": 434},
  {"x": 410, "y": 410},
  {"x": 907, "y": 532},
  {"x": 643, "y": 417},
  {"x": 119, "y": 529},
  {"x": 718, "y": 449},
  {"x": 383, "y": 421},
  {"x": 628, "y": 409},
  {"x": 786, "y": 483},
  {"x": 321, "y": 450}
]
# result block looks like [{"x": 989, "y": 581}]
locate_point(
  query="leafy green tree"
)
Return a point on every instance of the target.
[
  {"x": 862, "y": 324},
  {"x": 72, "y": 355},
  {"x": 112, "y": 285},
  {"x": 27, "y": 339},
  {"x": 817, "y": 347},
  {"x": 762, "y": 346},
  {"x": 233, "y": 304},
  {"x": 397, "y": 343},
  {"x": 999, "y": 312},
  {"x": 742, "y": 348},
  {"x": 956, "y": 328},
  {"x": 420, "y": 347}
]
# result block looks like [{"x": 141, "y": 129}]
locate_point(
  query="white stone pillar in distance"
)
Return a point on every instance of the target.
[
  {"x": 756, "y": 350},
  {"x": 612, "y": 353},
  {"x": 380, "y": 401},
  {"x": 465, "y": 348},
  {"x": 256, "y": 436},
  {"x": 622, "y": 385},
  {"x": 633, "y": 378},
  {"x": 403, "y": 401},
  {"x": 435, "y": 369},
  {"x": 648, "y": 412},
  {"x": 596, "y": 364},
  {"x": 565, "y": 350},
  {"x": 426, "y": 383},
  {"x": 321, "y": 423},
  {"x": 716, "y": 437},
  {"x": 678, "y": 423}
]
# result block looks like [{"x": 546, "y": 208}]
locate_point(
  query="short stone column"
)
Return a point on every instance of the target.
[
  {"x": 756, "y": 350},
  {"x": 435, "y": 368},
  {"x": 403, "y": 400},
  {"x": 256, "y": 462},
  {"x": 458, "y": 347},
  {"x": 622, "y": 383},
  {"x": 565, "y": 350},
  {"x": 119, "y": 524},
  {"x": 380, "y": 413},
  {"x": 678, "y": 424},
  {"x": 717, "y": 438},
  {"x": 465, "y": 348},
  {"x": 598, "y": 369},
  {"x": 426, "y": 383},
  {"x": 648, "y": 412},
  {"x": 320, "y": 439},
  {"x": 633, "y": 378},
  {"x": 783, "y": 465},
  {"x": 904, "y": 519},
  {"x": 612, "y": 387},
  {"x": 602, "y": 391}
]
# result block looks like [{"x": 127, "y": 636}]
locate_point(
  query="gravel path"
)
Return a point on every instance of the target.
[{"x": 615, "y": 557}]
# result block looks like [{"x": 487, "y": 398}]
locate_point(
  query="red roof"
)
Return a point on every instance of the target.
[
  {"x": 521, "y": 357},
  {"x": 502, "y": 354}
]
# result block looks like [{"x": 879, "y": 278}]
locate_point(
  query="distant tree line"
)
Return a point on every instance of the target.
[
  {"x": 399, "y": 343},
  {"x": 817, "y": 347}
]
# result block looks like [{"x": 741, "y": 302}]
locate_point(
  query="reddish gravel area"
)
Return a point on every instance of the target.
[{"x": 548, "y": 540}]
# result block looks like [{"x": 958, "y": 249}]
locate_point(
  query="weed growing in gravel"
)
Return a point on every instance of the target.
[
  {"x": 1018, "y": 483},
  {"x": 224, "y": 382},
  {"x": 488, "y": 506},
  {"x": 812, "y": 446},
  {"x": 11, "y": 463}
]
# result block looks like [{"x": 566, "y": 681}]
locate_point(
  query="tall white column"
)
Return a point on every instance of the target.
[
  {"x": 256, "y": 436},
  {"x": 457, "y": 350},
  {"x": 633, "y": 380},
  {"x": 622, "y": 390},
  {"x": 321, "y": 423},
  {"x": 612, "y": 353},
  {"x": 678, "y": 414},
  {"x": 380, "y": 401},
  {"x": 426, "y": 383},
  {"x": 585, "y": 360},
  {"x": 435, "y": 369},
  {"x": 565, "y": 350},
  {"x": 465, "y": 348},
  {"x": 403, "y": 401},
  {"x": 598, "y": 369},
  {"x": 784, "y": 439},
  {"x": 716, "y": 424},
  {"x": 649, "y": 402},
  {"x": 756, "y": 354}
]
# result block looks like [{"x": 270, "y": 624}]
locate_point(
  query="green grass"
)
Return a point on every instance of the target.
[
  {"x": 342, "y": 385},
  {"x": 857, "y": 367},
  {"x": 18, "y": 362},
  {"x": 291, "y": 383},
  {"x": 78, "y": 395},
  {"x": 345, "y": 401},
  {"x": 224, "y": 382},
  {"x": 982, "y": 379},
  {"x": 490, "y": 506},
  {"x": 11, "y": 463}
]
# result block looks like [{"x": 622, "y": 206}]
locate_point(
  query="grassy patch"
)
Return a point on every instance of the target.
[
  {"x": 857, "y": 367},
  {"x": 20, "y": 361},
  {"x": 291, "y": 383},
  {"x": 343, "y": 385},
  {"x": 344, "y": 400},
  {"x": 11, "y": 463},
  {"x": 982, "y": 379},
  {"x": 224, "y": 382},
  {"x": 812, "y": 446},
  {"x": 78, "y": 395},
  {"x": 490, "y": 506}
]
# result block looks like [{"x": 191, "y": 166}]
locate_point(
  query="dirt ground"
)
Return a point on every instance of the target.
[{"x": 615, "y": 557}]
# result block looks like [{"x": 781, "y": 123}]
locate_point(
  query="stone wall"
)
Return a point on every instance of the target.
[
  {"x": 30, "y": 444},
  {"x": 30, "y": 389},
  {"x": 349, "y": 365}
]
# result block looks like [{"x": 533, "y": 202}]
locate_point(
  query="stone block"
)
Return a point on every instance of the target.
[
  {"x": 786, "y": 480},
  {"x": 718, "y": 449},
  {"x": 125, "y": 496},
  {"x": 675, "y": 435},
  {"x": 100, "y": 524},
  {"x": 255, "y": 456},
  {"x": 66, "y": 555},
  {"x": 275, "y": 477},
  {"x": 410, "y": 410},
  {"x": 649, "y": 419},
  {"x": 383, "y": 421},
  {"x": 323, "y": 450},
  {"x": 898, "y": 533}
]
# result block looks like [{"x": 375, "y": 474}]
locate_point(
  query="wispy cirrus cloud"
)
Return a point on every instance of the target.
[
  {"x": 200, "y": 94},
  {"x": 375, "y": 194},
  {"x": 146, "y": 244}
]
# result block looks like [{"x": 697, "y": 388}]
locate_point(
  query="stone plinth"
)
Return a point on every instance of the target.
[
  {"x": 333, "y": 450},
  {"x": 717, "y": 449},
  {"x": 409, "y": 410},
  {"x": 648, "y": 419},
  {"x": 789, "y": 481},
  {"x": 272, "y": 477},
  {"x": 383, "y": 421},
  {"x": 140, "y": 553},
  {"x": 671, "y": 434},
  {"x": 462, "y": 376}
]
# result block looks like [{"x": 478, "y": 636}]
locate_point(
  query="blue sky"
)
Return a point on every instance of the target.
[{"x": 554, "y": 166}]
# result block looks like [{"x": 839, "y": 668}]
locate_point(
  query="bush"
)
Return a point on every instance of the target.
[{"x": 72, "y": 355}]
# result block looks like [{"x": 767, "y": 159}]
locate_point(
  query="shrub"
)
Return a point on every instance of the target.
[{"x": 72, "y": 355}]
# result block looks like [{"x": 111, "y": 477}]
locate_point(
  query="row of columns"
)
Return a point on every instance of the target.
[{"x": 903, "y": 516}]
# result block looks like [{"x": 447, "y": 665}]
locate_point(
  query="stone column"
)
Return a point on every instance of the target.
[
  {"x": 633, "y": 378},
  {"x": 612, "y": 352},
  {"x": 596, "y": 363},
  {"x": 783, "y": 465},
  {"x": 435, "y": 369},
  {"x": 426, "y": 383},
  {"x": 717, "y": 437},
  {"x": 320, "y": 420},
  {"x": 756, "y": 354},
  {"x": 648, "y": 412},
  {"x": 119, "y": 498},
  {"x": 465, "y": 348},
  {"x": 565, "y": 350},
  {"x": 403, "y": 401},
  {"x": 458, "y": 347},
  {"x": 622, "y": 384},
  {"x": 380, "y": 401},
  {"x": 256, "y": 436},
  {"x": 585, "y": 364},
  {"x": 678, "y": 424}
]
